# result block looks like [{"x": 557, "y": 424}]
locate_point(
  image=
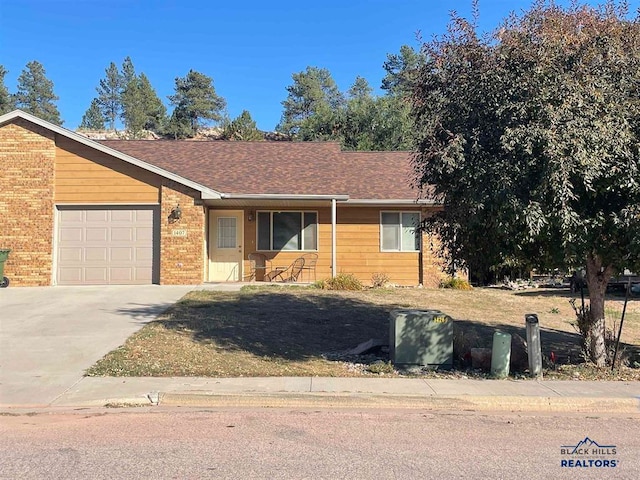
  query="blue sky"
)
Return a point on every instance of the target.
[{"x": 249, "y": 48}]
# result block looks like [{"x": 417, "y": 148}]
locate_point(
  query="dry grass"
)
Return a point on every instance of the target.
[{"x": 292, "y": 331}]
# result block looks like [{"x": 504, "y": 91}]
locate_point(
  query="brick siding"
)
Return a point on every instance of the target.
[
  {"x": 27, "y": 156},
  {"x": 181, "y": 257}
]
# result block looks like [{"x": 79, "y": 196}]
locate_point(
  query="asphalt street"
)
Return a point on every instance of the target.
[{"x": 316, "y": 444}]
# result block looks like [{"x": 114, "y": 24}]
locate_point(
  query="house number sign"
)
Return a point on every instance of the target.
[{"x": 179, "y": 233}]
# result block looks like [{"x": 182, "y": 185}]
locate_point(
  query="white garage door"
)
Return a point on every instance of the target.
[{"x": 105, "y": 246}]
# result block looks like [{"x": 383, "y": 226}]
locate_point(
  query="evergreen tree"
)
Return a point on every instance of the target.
[
  {"x": 141, "y": 107},
  {"x": 6, "y": 102},
  {"x": 109, "y": 95},
  {"x": 402, "y": 69},
  {"x": 35, "y": 94},
  {"x": 313, "y": 104},
  {"x": 242, "y": 128},
  {"x": 154, "y": 110},
  {"x": 93, "y": 118},
  {"x": 131, "y": 111},
  {"x": 195, "y": 101}
]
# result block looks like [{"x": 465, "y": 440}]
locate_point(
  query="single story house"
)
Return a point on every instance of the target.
[{"x": 77, "y": 211}]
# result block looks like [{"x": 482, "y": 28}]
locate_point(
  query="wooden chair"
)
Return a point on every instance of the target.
[
  {"x": 286, "y": 274},
  {"x": 310, "y": 260},
  {"x": 259, "y": 266}
]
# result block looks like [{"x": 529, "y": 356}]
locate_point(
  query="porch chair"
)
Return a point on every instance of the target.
[
  {"x": 310, "y": 260},
  {"x": 258, "y": 265},
  {"x": 286, "y": 274}
]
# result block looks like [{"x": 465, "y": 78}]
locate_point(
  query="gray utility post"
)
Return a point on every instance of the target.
[{"x": 533, "y": 344}]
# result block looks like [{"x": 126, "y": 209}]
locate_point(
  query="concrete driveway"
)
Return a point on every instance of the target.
[{"x": 50, "y": 335}]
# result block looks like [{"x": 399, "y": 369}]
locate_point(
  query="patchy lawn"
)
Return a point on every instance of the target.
[{"x": 266, "y": 331}]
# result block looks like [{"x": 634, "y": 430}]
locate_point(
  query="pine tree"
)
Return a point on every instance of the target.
[
  {"x": 93, "y": 118},
  {"x": 154, "y": 109},
  {"x": 243, "y": 128},
  {"x": 35, "y": 94},
  {"x": 313, "y": 105},
  {"x": 109, "y": 92},
  {"x": 195, "y": 100},
  {"x": 141, "y": 107},
  {"x": 6, "y": 102}
]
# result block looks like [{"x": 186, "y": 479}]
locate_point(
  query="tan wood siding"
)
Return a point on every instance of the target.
[
  {"x": 84, "y": 175},
  {"x": 358, "y": 246}
]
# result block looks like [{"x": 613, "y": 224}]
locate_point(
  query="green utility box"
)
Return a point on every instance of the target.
[
  {"x": 4, "y": 254},
  {"x": 421, "y": 337}
]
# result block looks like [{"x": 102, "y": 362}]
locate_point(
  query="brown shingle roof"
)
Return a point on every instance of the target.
[{"x": 300, "y": 168}]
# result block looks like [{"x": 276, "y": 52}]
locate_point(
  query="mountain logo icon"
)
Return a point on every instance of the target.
[{"x": 586, "y": 443}]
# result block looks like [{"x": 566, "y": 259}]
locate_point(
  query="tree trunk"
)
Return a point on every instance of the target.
[{"x": 597, "y": 279}]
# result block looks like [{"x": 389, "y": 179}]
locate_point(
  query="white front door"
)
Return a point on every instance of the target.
[{"x": 225, "y": 245}]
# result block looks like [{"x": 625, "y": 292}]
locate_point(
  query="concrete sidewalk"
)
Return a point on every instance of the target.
[{"x": 300, "y": 392}]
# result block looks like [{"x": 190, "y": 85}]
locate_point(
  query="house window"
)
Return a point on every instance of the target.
[
  {"x": 287, "y": 230},
  {"x": 399, "y": 232}
]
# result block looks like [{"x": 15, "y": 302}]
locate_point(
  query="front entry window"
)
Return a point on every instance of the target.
[{"x": 227, "y": 232}]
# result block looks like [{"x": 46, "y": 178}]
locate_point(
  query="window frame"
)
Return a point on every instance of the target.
[
  {"x": 400, "y": 228},
  {"x": 300, "y": 232}
]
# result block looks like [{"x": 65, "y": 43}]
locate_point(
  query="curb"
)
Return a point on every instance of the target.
[{"x": 462, "y": 402}]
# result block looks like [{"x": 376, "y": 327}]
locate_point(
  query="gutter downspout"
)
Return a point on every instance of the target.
[{"x": 333, "y": 238}]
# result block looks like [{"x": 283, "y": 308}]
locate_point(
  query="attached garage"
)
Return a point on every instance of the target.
[{"x": 105, "y": 245}]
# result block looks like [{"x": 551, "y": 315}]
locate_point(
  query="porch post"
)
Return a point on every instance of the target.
[{"x": 333, "y": 237}]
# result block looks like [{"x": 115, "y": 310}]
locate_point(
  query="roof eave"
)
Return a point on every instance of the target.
[
  {"x": 392, "y": 201},
  {"x": 206, "y": 192},
  {"x": 283, "y": 196}
]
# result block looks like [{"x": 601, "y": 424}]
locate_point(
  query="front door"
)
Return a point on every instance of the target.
[{"x": 225, "y": 245}]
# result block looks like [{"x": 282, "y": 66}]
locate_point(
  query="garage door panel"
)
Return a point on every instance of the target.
[
  {"x": 69, "y": 255},
  {"x": 95, "y": 254},
  {"x": 96, "y": 234},
  {"x": 96, "y": 215},
  {"x": 144, "y": 216},
  {"x": 122, "y": 254},
  {"x": 144, "y": 255},
  {"x": 71, "y": 216},
  {"x": 144, "y": 234},
  {"x": 69, "y": 275},
  {"x": 105, "y": 246},
  {"x": 121, "y": 274},
  {"x": 70, "y": 234},
  {"x": 95, "y": 275},
  {"x": 122, "y": 234}
]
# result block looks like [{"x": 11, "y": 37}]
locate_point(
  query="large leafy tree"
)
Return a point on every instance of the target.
[
  {"x": 196, "y": 103},
  {"x": 530, "y": 139},
  {"x": 6, "y": 101},
  {"x": 93, "y": 118},
  {"x": 313, "y": 106},
  {"x": 109, "y": 94},
  {"x": 35, "y": 93}
]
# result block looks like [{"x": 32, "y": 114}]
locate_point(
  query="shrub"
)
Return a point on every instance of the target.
[
  {"x": 342, "y": 281},
  {"x": 379, "y": 280},
  {"x": 380, "y": 367},
  {"x": 456, "y": 283}
]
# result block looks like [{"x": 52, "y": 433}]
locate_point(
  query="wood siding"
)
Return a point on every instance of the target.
[
  {"x": 358, "y": 246},
  {"x": 86, "y": 176}
]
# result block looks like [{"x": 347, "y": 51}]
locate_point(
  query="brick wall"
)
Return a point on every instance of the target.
[
  {"x": 181, "y": 257},
  {"x": 27, "y": 156}
]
